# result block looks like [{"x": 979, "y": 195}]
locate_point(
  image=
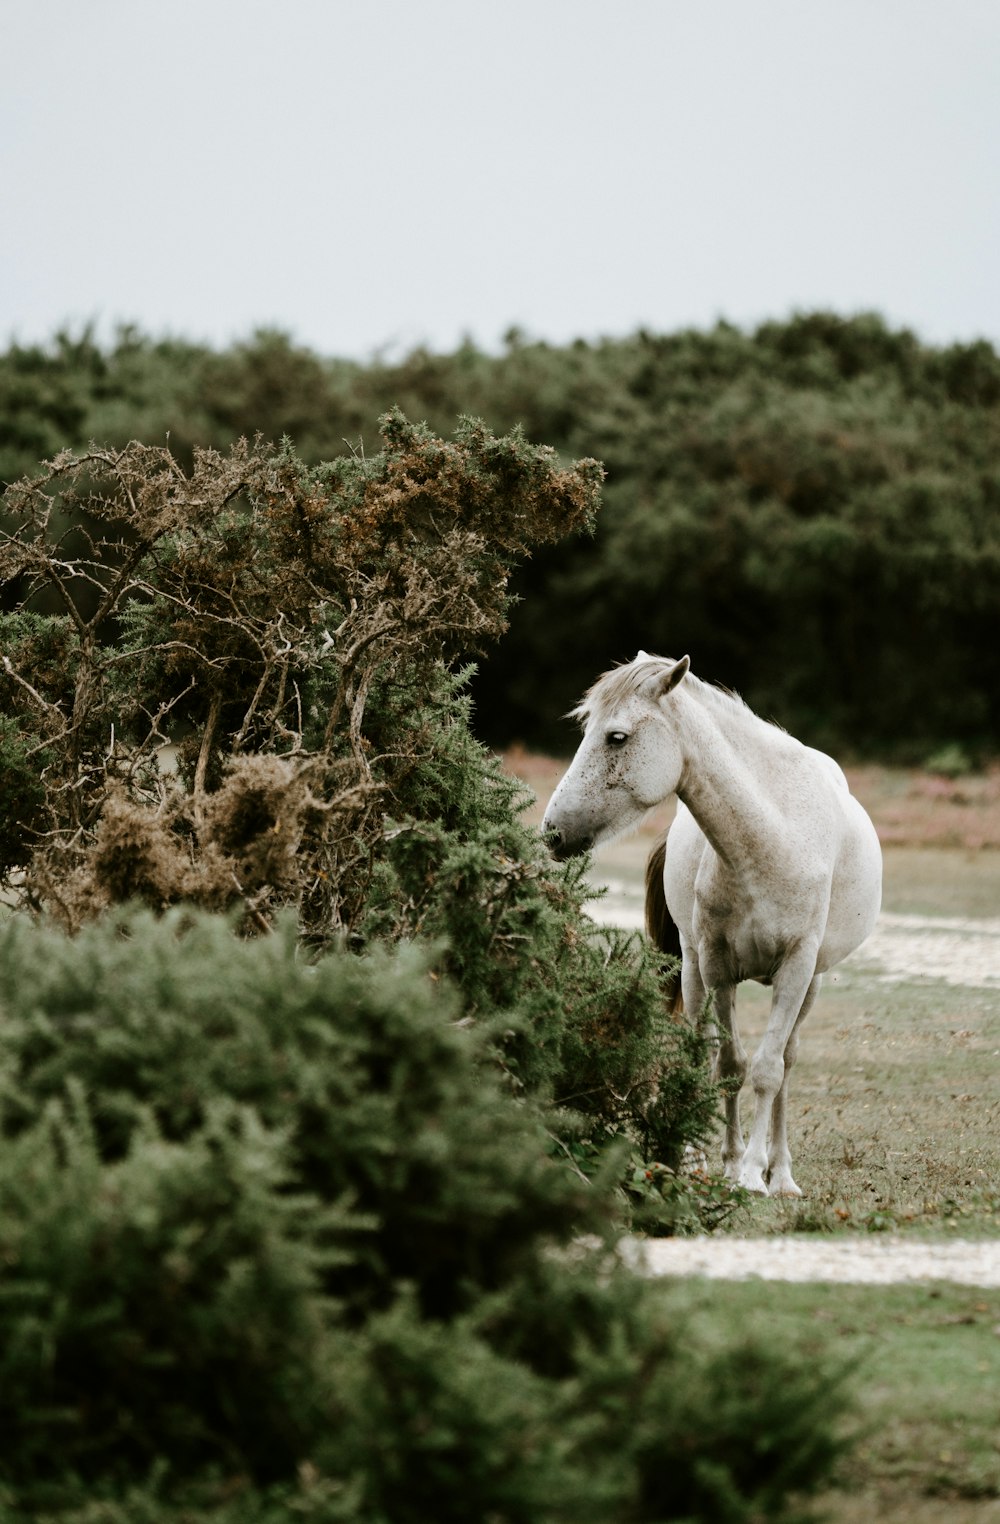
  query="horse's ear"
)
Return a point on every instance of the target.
[
  {"x": 642, "y": 656},
  {"x": 670, "y": 679}
]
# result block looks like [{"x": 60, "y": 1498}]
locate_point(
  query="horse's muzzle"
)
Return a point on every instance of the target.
[{"x": 562, "y": 846}]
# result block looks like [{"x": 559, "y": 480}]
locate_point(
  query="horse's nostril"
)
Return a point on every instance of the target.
[{"x": 562, "y": 848}]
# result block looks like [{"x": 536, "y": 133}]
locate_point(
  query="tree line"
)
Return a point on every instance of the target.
[{"x": 811, "y": 509}]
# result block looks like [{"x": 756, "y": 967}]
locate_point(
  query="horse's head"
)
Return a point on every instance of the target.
[{"x": 628, "y": 761}]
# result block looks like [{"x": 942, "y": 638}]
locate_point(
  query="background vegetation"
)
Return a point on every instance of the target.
[{"x": 812, "y": 510}]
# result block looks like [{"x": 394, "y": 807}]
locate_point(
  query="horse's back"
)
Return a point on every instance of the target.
[{"x": 831, "y": 767}]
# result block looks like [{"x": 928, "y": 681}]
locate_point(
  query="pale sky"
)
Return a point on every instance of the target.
[{"x": 372, "y": 176}]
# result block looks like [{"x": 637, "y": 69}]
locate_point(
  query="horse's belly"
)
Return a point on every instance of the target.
[
  {"x": 744, "y": 954},
  {"x": 844, "y": 934},
  {"x": 856, "y": 891}
]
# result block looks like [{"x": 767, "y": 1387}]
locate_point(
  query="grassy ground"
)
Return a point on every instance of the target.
[
  {"x": 895, "y": 1126},
  {"x": 924, "y": 1367}
]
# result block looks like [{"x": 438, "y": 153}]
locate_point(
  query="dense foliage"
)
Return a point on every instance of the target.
[
  {"x": 277, "y": 1245},
  {"x": 286, "y": 630},
  {"x": 812, "y": 510},
  {"x": 252, "y": 608},
  {"x": 291, "y": 1193}
]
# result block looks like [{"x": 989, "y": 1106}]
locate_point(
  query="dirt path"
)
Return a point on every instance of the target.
[
  {"x": 953, "y": 950},
  {"x": 794, "y": 1257}
]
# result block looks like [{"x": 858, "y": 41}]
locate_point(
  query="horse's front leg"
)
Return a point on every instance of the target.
[
  {"x": 793, "y": 991},
  {"x": 780, "y": 1182}
]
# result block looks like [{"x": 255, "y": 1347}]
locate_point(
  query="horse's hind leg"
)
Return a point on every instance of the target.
[
  {"x": 780, "y": 1182},
  {"x": 730, "y": 1056},
  {"x": 731, "y": 1070}
]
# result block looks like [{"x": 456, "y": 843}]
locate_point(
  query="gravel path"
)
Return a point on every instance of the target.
[
  {"x": 955, "y": 951},
  {"x": 863, "y": 1261}
]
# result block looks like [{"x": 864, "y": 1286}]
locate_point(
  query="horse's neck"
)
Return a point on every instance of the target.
[{"x": 721, "y": 783}]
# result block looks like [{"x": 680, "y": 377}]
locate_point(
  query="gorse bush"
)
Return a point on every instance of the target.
[
  {"x": 254, "y": 607},
  {"x": 340, "y": 1048},
  {"x": 295, "y": 1160},
  {"x": 277, "y": 1243},
  {"x": 290, "y": 631}
]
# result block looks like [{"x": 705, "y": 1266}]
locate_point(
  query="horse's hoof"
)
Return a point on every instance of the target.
[
  {"x": 786, "y": 1187},
  {"x": 753, "y": 1181}
]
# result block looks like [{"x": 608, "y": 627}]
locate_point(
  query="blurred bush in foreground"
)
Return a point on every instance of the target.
[{"x": 278, "y": 1244}]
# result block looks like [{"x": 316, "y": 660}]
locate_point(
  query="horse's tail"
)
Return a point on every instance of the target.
[{"x": 660, "y": 925}]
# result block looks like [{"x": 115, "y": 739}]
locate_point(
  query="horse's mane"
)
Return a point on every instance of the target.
[{"x": 613, "y": 688}]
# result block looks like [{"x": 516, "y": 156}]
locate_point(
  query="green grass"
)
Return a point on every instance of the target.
[
  {"x": 894, "y": 1115},
  {"x": 925, "y": 1370}
]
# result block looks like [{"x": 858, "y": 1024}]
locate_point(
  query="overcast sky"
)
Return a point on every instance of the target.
[{"x": 374, "y": 174}]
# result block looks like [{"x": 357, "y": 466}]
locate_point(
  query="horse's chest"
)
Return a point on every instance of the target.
[
  {"x": 735, "y": 941},
  {"x": 745, "y": 952}
]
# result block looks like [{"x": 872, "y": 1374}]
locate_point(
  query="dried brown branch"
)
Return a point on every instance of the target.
[{"x": 278, "y": 627}]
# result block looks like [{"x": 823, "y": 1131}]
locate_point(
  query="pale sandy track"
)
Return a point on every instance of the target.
[{"x": 793, "y": 1257}]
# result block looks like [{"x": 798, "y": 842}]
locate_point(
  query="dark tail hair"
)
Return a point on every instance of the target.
[{"x": 660, "y": 926}]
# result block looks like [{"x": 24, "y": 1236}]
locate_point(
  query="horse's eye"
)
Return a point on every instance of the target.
[{"x": 616, "y": 737}]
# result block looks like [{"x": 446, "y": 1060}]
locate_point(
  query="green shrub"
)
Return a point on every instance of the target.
[
  {"x": 22, "y": 806},
  {"x": 277, "y": 1244},
  {"x": 357, "y": 1064},
  {"x": 950, "y": 761}
]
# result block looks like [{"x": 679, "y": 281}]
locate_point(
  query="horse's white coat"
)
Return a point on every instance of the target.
[{"x": 773, "y": 869}]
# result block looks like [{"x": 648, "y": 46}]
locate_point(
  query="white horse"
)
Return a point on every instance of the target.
[{"x": 772, "y": 871}]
